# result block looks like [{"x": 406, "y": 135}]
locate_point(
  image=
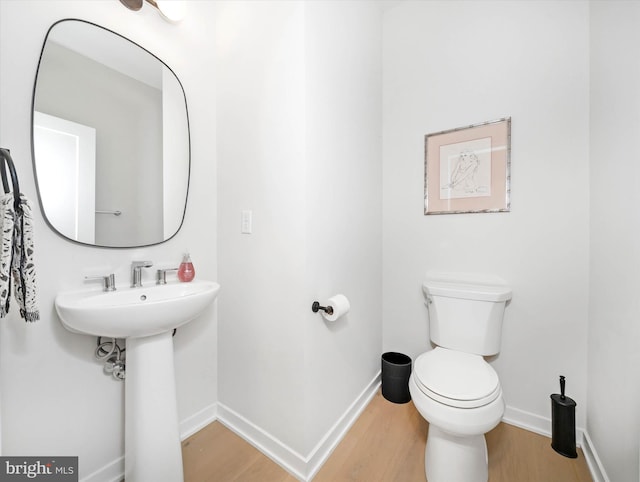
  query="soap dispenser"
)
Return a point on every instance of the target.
[{"x": 186, "y": 272}]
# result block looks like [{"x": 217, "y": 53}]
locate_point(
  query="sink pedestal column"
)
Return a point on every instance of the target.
[{"x": 152, "y": 438}]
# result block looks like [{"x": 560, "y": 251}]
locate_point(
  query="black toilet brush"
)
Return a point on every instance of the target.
[{"x": 563, "y": 423}]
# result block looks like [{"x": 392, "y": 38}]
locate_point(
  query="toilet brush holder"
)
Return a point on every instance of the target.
[{"x": 563, "y": 423}]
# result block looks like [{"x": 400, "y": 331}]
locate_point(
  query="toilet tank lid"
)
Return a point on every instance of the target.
[{"x": 471, "y": 287}]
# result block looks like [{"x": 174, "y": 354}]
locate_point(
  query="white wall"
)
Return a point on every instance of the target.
[
  {"x": 299, "y": 145},
  {"x": 613, "y": 420},
  {"x": 261, "y": 166},
  {"x": 450, "y": 64},
  {"x": 344, "y": 193},
  {"x": 54, "y": 397}
]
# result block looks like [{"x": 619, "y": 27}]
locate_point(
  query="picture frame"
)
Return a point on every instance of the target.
[{"x": 468, "y": 169}]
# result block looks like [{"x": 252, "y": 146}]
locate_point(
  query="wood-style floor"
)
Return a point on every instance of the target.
[{"x": 385, "y": 444}]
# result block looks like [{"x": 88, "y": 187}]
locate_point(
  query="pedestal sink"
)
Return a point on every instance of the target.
[{"x": 145, "y": 317}]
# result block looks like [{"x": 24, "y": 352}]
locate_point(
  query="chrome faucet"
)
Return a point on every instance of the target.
[{"x": 136, "y": 272}]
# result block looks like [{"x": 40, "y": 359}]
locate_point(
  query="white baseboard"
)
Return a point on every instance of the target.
[
  {"x": 198, "y": 421},
  {"x": 332, "y": 438},
  {"x": 542, "y": 425},
  {"x": 273, "y": 448},
  {"x": 528, "y": 421},
  {"x": 302, "y": 467},
  {"x": 112, "y": 472},
  {"x": 593, "y": 461}
]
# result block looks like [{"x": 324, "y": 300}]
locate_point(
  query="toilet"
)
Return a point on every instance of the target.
[{"x": 452, "y": 386}]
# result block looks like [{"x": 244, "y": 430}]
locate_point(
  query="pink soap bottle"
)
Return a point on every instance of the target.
[{"x": 186, "y": 272}]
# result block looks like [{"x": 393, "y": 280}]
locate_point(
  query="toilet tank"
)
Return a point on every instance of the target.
[{"x": 466, "y": 311}]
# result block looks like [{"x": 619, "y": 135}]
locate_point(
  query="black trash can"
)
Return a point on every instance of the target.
[{"x": 396, "y": 369}]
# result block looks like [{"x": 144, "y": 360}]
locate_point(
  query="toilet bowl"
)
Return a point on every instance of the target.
[
  {"x": 460, "y": 396},
  {"x": 452, "y": 386}
]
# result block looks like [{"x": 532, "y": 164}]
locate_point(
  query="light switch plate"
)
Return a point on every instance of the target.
[{"x": 246, "y": 222}]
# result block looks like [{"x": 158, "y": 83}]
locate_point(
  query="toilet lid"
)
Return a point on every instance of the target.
[{"x": 456, "y": 379}]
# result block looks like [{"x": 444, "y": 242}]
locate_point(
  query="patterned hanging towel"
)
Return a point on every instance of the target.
[
  {"x": 7, "y": 220},
  {"x": 16, "y": 258},
  {"x": 22, "y": 264}
]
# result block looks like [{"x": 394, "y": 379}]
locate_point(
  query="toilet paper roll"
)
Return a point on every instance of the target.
[{"x": 340, "y": 305}]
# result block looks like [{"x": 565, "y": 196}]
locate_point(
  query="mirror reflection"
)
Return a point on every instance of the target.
[{"x": 110, "y": 139}]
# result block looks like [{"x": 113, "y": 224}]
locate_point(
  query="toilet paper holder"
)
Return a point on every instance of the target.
[{"x": 315, "y": 307}]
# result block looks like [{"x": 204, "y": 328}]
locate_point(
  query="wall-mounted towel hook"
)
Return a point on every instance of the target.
[
  {"x": 315, "y": 307},
  {"x": 7, "y": 162}
]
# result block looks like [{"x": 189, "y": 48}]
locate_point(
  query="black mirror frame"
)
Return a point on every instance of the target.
[{"x": 33, "y": 158}]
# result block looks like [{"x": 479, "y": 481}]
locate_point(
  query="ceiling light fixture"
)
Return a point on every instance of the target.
[{"x": 171, "y": 10}]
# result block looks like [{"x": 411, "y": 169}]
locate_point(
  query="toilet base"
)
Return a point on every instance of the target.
[{"x": 448, "y": 458}]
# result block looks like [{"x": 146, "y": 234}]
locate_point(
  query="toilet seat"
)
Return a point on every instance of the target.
[{"x": 456, "y": 379}]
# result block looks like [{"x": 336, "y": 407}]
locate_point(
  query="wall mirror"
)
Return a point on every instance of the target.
[{"x": 110, "y": 139}]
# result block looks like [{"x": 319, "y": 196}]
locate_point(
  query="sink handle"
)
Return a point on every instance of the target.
[
  {"x": 108, "y": 281},
  {"x": 161, "y": 275}
]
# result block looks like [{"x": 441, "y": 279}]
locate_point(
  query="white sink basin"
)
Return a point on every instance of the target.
[{"x": 134, "y": 312}]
